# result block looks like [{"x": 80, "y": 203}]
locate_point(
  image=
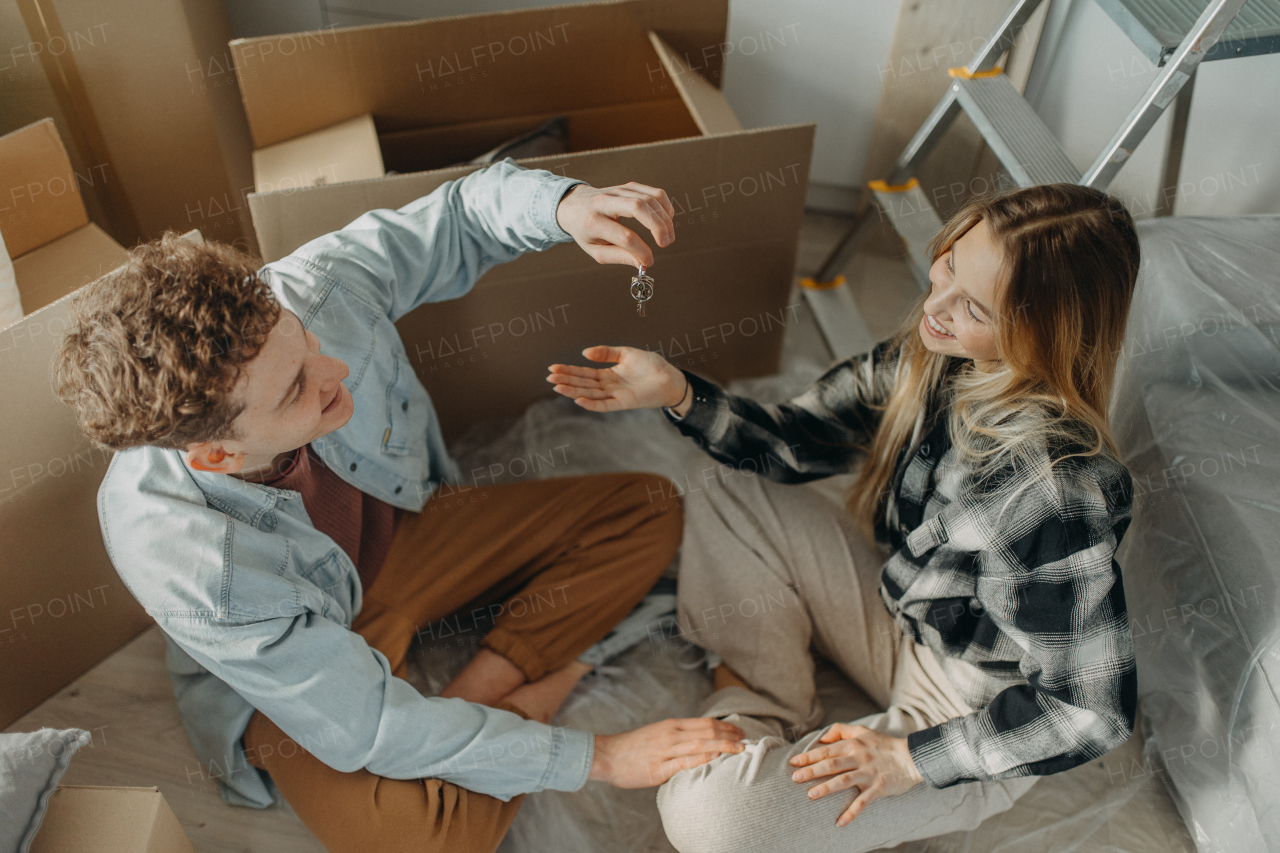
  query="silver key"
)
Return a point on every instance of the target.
[{"x": 641, "y": 290}]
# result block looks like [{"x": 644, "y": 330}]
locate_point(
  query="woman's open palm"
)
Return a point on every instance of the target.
[{"x": 638, "y": 379}]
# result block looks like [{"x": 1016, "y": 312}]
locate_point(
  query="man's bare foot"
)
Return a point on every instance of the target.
[{"x": 541, "y": 699}]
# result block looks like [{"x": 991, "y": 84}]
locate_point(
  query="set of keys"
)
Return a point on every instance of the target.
[{"x": 641, "y": 290}]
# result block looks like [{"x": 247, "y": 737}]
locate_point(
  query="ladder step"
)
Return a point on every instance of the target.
[
  {"x": 1014, "y": 131},
  {"x": 913, "y": 217},
  {"x": 1157, "y": 27},
  {"x": 838, "y": 317}
]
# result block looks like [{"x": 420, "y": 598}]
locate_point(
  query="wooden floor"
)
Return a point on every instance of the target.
[{"x": 126, "y": 703}]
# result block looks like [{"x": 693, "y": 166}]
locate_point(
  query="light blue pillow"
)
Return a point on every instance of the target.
[{"x": 31, "y": 763}]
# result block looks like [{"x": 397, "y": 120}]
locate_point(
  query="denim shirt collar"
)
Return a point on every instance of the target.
[{"x": 241, "y": 499}]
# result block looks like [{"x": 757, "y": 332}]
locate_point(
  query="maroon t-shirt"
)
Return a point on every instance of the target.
[{"x": 362, "y": 525}]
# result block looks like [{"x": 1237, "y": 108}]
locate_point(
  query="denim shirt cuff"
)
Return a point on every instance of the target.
[
  {"x": 572, "y": 752},
  {"x": 545, "y": 203}
]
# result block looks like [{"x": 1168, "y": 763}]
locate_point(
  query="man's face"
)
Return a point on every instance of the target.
[{"x": 292, "y": 396}]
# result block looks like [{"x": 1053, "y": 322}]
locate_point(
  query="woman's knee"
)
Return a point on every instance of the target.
[
  {"x": 694, "y": 806},
  {"x": 718, "y": 806}
]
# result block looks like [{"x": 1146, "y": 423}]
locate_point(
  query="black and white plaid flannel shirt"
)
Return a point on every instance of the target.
[{"x": 1024, "y": 608}]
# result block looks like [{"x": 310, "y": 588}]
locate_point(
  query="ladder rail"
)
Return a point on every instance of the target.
[
  {"x": 1179, "y": 69},
  {"x": 1004, "y": 36},
  {"x": 922, "y": 144},
  {"x": 924, "y": 140}
]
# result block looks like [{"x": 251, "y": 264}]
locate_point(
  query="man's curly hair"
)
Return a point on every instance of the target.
[{"x": 158, "y": 344}]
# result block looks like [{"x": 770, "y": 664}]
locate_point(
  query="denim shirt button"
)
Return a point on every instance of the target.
[
  {"x": 353, "y": 466},
  {"x": 404, "y": 407},
  {"x": 399, "y": 489}
]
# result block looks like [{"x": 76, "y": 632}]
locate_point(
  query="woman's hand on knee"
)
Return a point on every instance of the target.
[
  {"x": 639, "y": 379},
  {"x": 652, "y": 754},
  {"x": 877, "y": 764}
]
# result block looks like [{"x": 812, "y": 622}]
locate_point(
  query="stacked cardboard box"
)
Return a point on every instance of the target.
[
  {"x": 145, "y": 97},
  {"x": 62, "y": 606}
]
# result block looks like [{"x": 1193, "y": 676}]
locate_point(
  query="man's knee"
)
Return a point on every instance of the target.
[
  {"x": 653, "y": 490},
  {"x": 656, "y": 502}
]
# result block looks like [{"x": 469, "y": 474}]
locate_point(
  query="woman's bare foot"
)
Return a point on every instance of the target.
[
  {"x": 725, "y": 677},
  {"x": 541, "y": 699}
]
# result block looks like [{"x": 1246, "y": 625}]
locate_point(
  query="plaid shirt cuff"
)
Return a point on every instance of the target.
[
  {"x": 708, "y": 398},
  {"x": 943, "y": 755}
]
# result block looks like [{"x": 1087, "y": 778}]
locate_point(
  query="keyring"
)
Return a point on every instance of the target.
[{"x": 641, "y": 290}]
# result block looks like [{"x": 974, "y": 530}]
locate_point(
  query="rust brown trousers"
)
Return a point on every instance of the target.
[{"x": 592, "y": 546}]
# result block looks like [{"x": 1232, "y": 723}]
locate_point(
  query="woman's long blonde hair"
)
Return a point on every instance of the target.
[{"x": 1070, "y": 263}]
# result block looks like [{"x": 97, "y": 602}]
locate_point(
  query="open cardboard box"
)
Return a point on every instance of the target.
[
  {"x": 54, "y": 246},
  {"x": 86, "y": 819},
  {"x": 63, "y": 608},
  {"x": 638, "y": 81}
]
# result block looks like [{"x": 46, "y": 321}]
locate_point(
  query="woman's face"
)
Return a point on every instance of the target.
[{"x": 962, "y": 298}]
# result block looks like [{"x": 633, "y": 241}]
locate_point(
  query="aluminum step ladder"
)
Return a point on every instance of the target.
[{"x": 1020, "y": 139}]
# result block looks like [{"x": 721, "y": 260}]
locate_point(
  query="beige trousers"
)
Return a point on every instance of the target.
[{"x": 769, "y": 574}]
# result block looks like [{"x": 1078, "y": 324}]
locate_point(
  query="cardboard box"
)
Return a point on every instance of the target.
[
  {"x": 84, "y": 819},
  {"x": 54, "y": 246},
  {"x": 62, "y": 606},
  {"x": 639, "y": 83},
  {"x": 145, "y": 97}
]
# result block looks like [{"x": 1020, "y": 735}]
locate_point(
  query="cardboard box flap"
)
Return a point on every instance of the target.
[
  {"x": 750, "y": 170},
  {"x": 422, "y": 149},
  {"x": 55, "y": 269},
  {"x": 347, "y": 151},
  {"x": 41, "y": 199},
  {"x": 707, "y": 104},
  {"x": 470, "y": 67}
]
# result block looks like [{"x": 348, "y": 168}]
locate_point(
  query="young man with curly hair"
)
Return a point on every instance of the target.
[{"x": 271, "y": 505}]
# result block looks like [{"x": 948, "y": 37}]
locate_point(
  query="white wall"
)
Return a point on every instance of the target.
[
  {"x": 823, "y": 65},
  {"x": 1098, "y": 75},
  {"x": 829, "y": 74}
]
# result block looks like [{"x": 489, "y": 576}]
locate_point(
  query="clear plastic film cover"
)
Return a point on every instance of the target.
[{"x": 1197, "y": 416}]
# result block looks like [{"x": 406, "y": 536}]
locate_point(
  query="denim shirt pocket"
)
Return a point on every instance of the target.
[
  {"x": 330, "y": 578},
  {"x": 257, "y": 583},
  {"x": 930, "y": 534},
  {"x": 406, "y": 406}
]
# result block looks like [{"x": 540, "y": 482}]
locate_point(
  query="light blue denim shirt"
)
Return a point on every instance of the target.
[{"x": 256, "y": 604}]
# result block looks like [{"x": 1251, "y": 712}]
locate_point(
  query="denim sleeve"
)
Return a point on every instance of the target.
[
  {"x": 326, "y": 688},
  {"x": 437, "y": 246}
]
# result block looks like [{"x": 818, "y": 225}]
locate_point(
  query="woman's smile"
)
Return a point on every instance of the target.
[{"x": 937, "y": 329}]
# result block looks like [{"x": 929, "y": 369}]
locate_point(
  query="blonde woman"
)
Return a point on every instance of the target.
[{"x": 970, "y": 590}]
